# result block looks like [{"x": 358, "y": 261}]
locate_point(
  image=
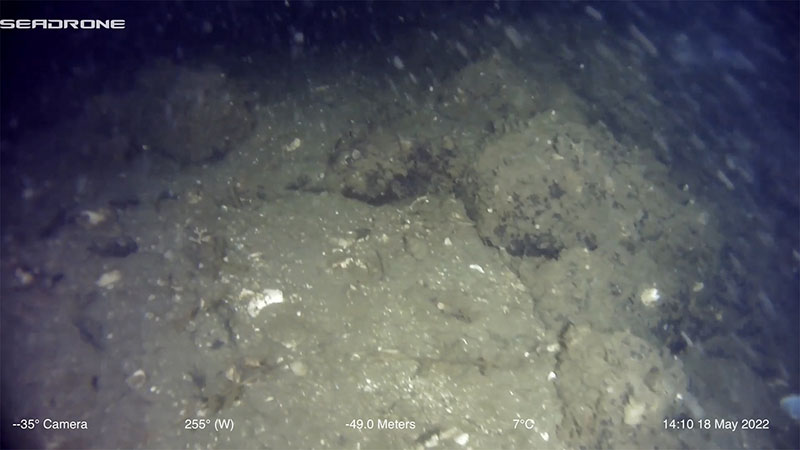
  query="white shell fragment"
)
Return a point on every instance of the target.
[
  {"x": 137, "y": 379},
  {"x": 650, "y": 296},
  {"x": 93, "y": 218},
  {"x": 634, "y": 412},
  {"x": 462, "y": 439},
  {"x": 108, "y": 279},
  {"x": 432, "y": 442},
  {"x": 255, "y": 303},
  {"x": 294, "y": 145},
  {"x": 545, "y": 435},
  {"x": 477, "y": 268}
]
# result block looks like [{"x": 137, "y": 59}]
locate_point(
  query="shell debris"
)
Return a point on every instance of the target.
[
  {"x": 476, "y": 268},
  {"x": 461, "y": 439},
  {"x": 294, "y": 145},
  {"x": 137, "y": 379},
  {"x": 650, "y": 296},
  {"x": 255, "y": 303}
]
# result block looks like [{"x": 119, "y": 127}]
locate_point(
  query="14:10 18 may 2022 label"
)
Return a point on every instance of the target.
[{"x": 687, "y": 423}]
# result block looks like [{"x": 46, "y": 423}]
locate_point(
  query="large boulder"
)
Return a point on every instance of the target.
[
  {"x": 556, "y": 185},
  {"x": 378, "y": 167}
]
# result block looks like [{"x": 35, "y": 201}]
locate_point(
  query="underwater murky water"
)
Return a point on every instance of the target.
[{"x": 402, "y": 225}]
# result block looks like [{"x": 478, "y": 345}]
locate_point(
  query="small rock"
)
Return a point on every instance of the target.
[
  {"x": 634, "y": 411},
  {"x": 90, "y": 218},
  {"x": 448, "y": 144},
  {"x": 24, "y": 276},
  {"x": 249, "y": 361},
  {"x": 108, "y": 279},
  {"x": 232, "y": 374},
  {"x": 299, "y": 368}
]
